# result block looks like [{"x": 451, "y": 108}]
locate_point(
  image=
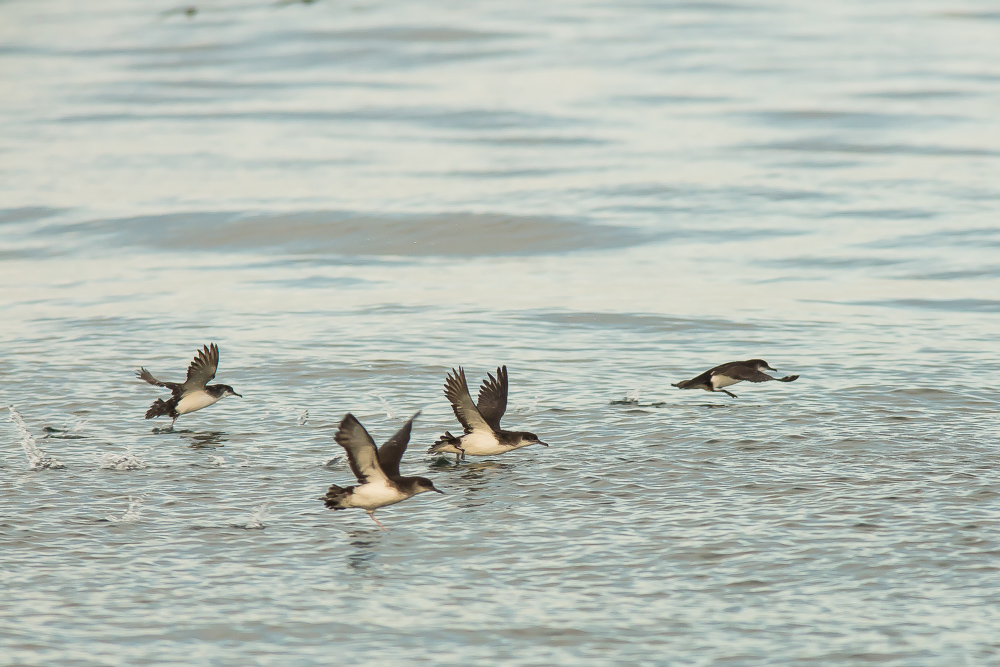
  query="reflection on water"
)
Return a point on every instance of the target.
[
  {"x": 353, "y": 198},
  {"x": 207, "y": 439},
  {"x": 363, "y": 548}
]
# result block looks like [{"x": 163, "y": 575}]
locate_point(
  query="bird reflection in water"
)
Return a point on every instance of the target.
[
  {"x": 363, "y": 542},
  {"x": 476, "y": 470},
  {"x": 207, "y": 439}
]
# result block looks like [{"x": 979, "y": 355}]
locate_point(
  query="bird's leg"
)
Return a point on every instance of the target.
[
  {"x": 372, "y": 515},
  {"x": 172, "y": 423},
  {"x": 730, "y": 393},
  {"x": 458, "y": 457}
]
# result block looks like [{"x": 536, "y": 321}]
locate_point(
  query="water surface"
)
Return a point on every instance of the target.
[{"x": 350, "y": 198}]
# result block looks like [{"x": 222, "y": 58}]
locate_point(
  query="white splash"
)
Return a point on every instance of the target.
[
  {"x": 217, "y": 460},
  {"x": 527, "y": 409},
  {"x": 389, "y": 413},
  {"x": 132, "y": 514},
  {"x": 257, "y": 516},
  {"x": 37, "y": 459},
  {"x": 633, "y": 395},
  {"x": 126, "y": 461}
]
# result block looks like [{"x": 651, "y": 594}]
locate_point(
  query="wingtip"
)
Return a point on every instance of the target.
[{"x": 348, "y": 419}]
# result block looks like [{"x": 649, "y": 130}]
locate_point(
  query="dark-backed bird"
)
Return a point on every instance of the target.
[
  {"x": 377, "y": 470},
  {"x": 194, "y": 393},
  {"x": 728, "y": 374},
  {"x": 483, "y": 435}
]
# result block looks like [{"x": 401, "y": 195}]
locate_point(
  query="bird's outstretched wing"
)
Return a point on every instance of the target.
[
  {"x": 202, "y": 368},
  {"x": 391, "y": 453},
  {"x": 145, "y": 375},
  {"x": 492, "y": 402},
  {"x": 456, "y": 389},
  {"x": 361, "y": 452},
  {"x": 746, "y": 373}
]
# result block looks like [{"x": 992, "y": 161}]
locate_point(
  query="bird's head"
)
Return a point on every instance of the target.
[
  {"x": 761, "y": 365},
  {"x": 422, "y": 484},
  {"x": 226, "y": 390},
  {"x": 526, "y": 438}
]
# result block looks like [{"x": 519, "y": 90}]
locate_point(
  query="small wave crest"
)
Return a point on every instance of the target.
[{"x": 37, "y": 459}]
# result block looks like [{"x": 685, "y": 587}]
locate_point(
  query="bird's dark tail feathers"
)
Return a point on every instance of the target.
[
  {"x": 335, "y": 497},
  {"x": 446, "y": 443},
  {"x": 160, "y": 408},
  {"x": 788, "y": 378}
]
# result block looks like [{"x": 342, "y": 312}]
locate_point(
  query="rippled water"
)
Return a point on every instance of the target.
[{"x": 350, "y": 198}]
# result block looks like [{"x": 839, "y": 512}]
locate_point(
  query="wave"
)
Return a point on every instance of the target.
[{"x": 345, "y": 233}]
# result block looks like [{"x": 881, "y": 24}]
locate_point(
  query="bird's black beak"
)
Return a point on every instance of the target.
[
  {"x": 543, "y": 444},
  {"x": 439, "y": 491},
  {"x": 235, "y": 394}
]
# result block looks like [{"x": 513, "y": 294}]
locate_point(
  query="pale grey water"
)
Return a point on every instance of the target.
[{"x": 352, "y": 197}]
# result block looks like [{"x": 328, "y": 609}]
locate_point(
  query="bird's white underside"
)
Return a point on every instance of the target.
[
  {"x": 374, "y": 494},
  {"x": 720, "y": 381},
  {"x": 484, "y": 443},
  {"x": 196, "y": 400}
]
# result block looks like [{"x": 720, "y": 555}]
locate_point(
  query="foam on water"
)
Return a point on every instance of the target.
[{"x": 118, "y": 461}]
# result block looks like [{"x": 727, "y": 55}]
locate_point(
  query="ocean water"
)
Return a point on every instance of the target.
[{"x": 351, "y": 197}]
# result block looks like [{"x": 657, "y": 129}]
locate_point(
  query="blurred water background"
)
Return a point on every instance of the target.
[{"x": 352, "y": 196}]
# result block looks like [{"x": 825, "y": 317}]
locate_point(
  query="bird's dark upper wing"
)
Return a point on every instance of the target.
[
  {"x": 492, "y": 402},
  {"x": 361, "y": 453},
  {"x": 456, "y": 389},
  {"x": 739, "y": 372},
  {"x": 391, "y": 453},
  {"x": 202, "y": 368},
  {"x": 143, "y": 374}
]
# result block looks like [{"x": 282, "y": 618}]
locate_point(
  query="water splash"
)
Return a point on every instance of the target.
[
  {"x": 132, "y": 514},
  {"x": 336, "y": 463},
  {"x": 389, "y": 413},
  {"x": 303, "y": 417},
  {"x": 126, "y": 461},
  {"x": 37, "y": 459},
  {"x": 217, "y": 460},
  {"x": 631, "y": 398},
  {"x": 257, "y": 516},
  {"x": 527, "y": 408}
]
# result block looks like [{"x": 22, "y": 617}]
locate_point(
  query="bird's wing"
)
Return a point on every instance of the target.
[
  {"x": 745, "y": 373},
  {"x": 143, "y": 374},
  {"x": 456, "y": 389},
  {"x": 391, "y": 453},
  {"x": 696, "y": 381},
  {"x": 492, "y": 402},
  {"x": 361, "y": 452},
  {"x": 202, "y": 368}
]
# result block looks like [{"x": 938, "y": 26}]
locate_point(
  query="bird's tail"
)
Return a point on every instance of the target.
[
  {"x": 788, "y": 378},
  {"x": 683, "y": 384},
  {"x": 159, "y": 408},
  {"x": 447, "y": 443},
  {"x": 335, "y": 497}
]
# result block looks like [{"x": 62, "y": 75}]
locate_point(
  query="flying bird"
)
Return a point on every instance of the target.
[
  {"x": 728, "y": 374},
  {"x": 194, "y": 393},
  {"x": 483, "y": 435},
  {"x": 377, "y": 470}
]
